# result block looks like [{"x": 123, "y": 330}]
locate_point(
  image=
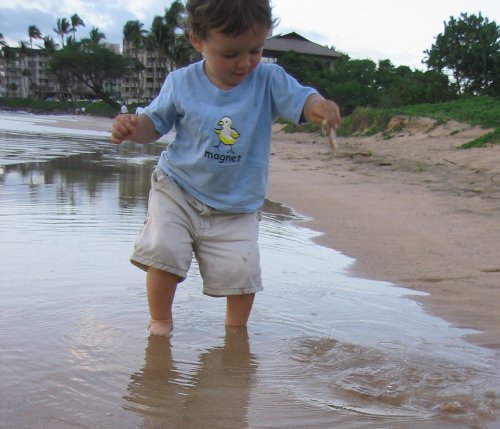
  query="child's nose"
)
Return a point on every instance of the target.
[{"x": 244, "y": 62}]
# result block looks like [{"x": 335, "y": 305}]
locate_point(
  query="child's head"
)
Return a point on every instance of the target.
[{"x": 229, "y": 17}]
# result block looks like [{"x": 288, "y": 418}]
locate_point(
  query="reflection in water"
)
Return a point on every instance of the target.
[
  {"x": 332, "y": 351},
  {"x": 214, "y": 394}
]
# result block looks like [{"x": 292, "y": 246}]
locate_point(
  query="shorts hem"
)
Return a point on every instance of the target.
[
  {"x": 144, "y": 264},
  {"x": 220, "y": 292}
]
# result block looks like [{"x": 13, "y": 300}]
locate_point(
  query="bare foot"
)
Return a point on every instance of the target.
[{"x": 161, "y": 327}]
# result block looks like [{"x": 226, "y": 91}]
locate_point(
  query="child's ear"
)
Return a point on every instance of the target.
[{"x": 196, "y": 42}]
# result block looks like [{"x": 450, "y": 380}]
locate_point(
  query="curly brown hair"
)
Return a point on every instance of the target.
[{"x": 230, "y": 17}]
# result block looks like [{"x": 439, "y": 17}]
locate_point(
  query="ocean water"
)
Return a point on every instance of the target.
[{"x": 322, "y": 349}]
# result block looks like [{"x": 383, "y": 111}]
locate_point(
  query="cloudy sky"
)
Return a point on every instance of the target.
[{"x": 398, "y": 30}]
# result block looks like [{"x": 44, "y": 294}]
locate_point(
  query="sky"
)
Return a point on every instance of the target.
[{"x": 398, "y": 30}]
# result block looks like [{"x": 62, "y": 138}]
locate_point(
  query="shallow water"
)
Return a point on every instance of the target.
[{"x": 322, "y": 349}]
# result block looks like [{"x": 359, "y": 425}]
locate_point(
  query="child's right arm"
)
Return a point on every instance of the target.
[{"x": 138, "y": 128}]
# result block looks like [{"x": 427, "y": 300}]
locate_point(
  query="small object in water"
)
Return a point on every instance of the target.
[{"x": 331, "y": 133}]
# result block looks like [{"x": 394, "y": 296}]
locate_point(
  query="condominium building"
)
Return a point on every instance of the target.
[
  {"x": 24, "y": 73},
  {"x": 144, "y": 81}
]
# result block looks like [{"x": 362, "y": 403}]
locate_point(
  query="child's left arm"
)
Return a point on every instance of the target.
[{"x": 317, "y": 109}]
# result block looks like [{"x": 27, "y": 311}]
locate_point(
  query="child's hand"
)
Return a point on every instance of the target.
[
  {"x": 123, "y": 128},
  {"x": 318, "y": 110}
]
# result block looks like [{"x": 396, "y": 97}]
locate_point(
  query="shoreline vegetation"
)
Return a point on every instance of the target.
[
  {"x": 482, "y": 111},
  {"x": 364, "y": 121}
]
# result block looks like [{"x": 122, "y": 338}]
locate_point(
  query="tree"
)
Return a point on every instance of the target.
[
  {"x": 62, "y": 29},
  {"x": 354, "y": 84},
  {"x": 49, "y": 45},
  {"x": 166, "y": 46},
  {"x": 152, "y": 44},
  {"x": 468, "y": 49},
  {"x": 34, "y": 33},
  {"x": 177, "y": 47},
  {"x": 90, "y": 63},
  {"x": 95, "y": 36},
  {"x": 133, "y": 41},
  {"x": 76, "y": 21},
  {"x": 400, "y": 86},
  {"x": 170, "y": 47},
  {"x": 133, "y": 34},
  {"x": 25, "y": 71}
]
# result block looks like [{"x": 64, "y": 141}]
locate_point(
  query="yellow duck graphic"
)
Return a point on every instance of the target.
[{"x": 226, "y": 134}]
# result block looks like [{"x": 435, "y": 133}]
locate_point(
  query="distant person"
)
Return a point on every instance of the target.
[
  {"x": 210, "y": 183},
  {"x": 123, "y": 109}
]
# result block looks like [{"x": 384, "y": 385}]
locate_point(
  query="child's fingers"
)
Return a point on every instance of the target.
[
  {"x": 325, "y": 113},
  {"x": 123, "y": 127},
  {"x": 331, "y": 114},
  {"x": 331, "y": 133}
]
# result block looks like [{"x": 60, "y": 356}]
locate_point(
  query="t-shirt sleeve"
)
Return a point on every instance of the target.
[
  {"x": 288, "y": 95},
  {"x": 162, "y": 110}
]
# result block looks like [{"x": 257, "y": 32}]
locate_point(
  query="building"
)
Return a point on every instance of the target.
[
  {"x": 144, "y": 81},
  {"x": 278, "y": 45},
  {"x": 24, "y": 73}
]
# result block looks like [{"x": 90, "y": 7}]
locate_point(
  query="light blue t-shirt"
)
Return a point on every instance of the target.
[{"x": 221, "y": 150}]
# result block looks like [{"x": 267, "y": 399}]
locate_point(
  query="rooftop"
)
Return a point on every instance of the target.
[{"x": 301, "y": 45}]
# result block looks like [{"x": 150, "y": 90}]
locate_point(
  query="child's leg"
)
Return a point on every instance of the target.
[
  {"x": 161, "y": 288},
  {"x": 238, "y": 309}
]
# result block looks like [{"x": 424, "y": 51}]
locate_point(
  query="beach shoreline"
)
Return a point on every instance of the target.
[{"x": 413, "y": 210}]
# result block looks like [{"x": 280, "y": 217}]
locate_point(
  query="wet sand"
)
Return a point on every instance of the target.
[{"x": 413, "y": 210}]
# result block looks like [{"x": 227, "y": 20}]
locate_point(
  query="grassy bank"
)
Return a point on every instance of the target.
[{"x": 482, "y": 111}]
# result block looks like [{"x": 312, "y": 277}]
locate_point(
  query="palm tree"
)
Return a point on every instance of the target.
[
  {"x": 96, "y": 36},
  {"x": 76, "y": 21},
  {"x": 34, "y": 33},
  {"x": 175, "y": 47},
  {"x": 133, "y": 35},
  {"x": 173, "y": 15},
  {"x": 3, "y": 43},
  {"x": 62, "y": 29},
  {"x": 25, "y": 71},
  {"x": 49, "y": 45},
  {"x": 182, "y": 53},
  {"x": 154, "y": 44},
  {"x": 133, "y": 40}
]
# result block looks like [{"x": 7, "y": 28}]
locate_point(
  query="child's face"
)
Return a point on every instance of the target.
[{"x": 229, "y": 59}]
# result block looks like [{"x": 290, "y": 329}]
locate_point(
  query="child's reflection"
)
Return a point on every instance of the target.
[{"x": 215, "y": 396}]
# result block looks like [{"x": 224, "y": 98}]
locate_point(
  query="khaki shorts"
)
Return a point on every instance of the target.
[{"x": 178, "y": 225}]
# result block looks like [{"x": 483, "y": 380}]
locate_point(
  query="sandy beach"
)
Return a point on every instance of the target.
[{"x": 412, "y": 209}]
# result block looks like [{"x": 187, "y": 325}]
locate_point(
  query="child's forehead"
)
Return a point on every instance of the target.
[{"x": 254, "y": 34}]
